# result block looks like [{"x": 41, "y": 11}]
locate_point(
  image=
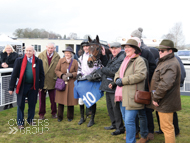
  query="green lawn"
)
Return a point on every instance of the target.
[{"x": 70, "y": 132}]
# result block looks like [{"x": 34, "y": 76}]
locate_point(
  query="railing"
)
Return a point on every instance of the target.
[
  {"x": 185, "y": 90},
  {"x": 5, "y": 97}
]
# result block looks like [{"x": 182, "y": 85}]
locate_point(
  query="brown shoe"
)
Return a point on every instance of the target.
[
  {"x": 20, "y": 127},
  {"x": 54, "y": 116},
  {"x": 150, "y": 136},
  {"x": 137, "y": 135},
  {"x": 41, "y": 117},
  {"x": 142, "y": 140}
]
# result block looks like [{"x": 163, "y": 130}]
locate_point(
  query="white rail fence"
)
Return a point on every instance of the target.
[{"x": 6, "y": 98}]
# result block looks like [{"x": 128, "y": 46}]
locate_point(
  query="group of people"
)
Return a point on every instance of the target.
[{"x": 129, "y": 67}]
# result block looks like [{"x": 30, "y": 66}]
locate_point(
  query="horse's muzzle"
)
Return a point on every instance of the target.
[{"x": 90, "y": 64}]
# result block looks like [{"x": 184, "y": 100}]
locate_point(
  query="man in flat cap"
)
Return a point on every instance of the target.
[{"x": 108, "y": 73}]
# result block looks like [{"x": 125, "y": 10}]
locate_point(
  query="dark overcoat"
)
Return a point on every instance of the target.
[
  {"x": 16, "y": 73},
  {"x": 66, "y": 97},
  {"x": 8, "y": 60}
]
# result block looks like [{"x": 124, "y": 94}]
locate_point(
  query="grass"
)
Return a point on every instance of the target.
[{"x": 70, "y": 132}]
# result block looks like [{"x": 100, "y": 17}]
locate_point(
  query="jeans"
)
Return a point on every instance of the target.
[
  {"x": 122, "y": 109},
  {"x": 143, "y": 121}
]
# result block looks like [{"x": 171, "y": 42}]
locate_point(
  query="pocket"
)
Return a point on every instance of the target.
[{"x": 156, "y": 75}]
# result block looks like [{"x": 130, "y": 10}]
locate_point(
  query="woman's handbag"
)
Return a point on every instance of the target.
[
  {"x": 143, "y": 97},
  {"x": 60, "y": 83}
]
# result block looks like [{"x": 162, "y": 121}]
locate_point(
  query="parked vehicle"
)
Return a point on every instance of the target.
[{"x": 184, "y": 55}]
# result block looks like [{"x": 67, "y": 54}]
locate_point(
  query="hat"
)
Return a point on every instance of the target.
[
  {"x": 133, "y": 43},
  {"x": 68, "y": 49},
  {"x": 85, "y": 42},
  {"x": 167, "y": 44},
  {"x": 115, "y": 44},
  {"x": 137, "y": 33}
]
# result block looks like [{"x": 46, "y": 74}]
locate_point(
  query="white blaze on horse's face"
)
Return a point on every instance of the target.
[{"x": 86, "y": 49}]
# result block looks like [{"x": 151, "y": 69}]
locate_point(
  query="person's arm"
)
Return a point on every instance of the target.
[
  {"x": 167, "y": 79},
  {"x": 41, "y": 75},
  {"x": 15, "y": 74},
  {"x": 58, "y": 69}
]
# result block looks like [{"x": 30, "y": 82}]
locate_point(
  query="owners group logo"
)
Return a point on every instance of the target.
[{"x": 39, "y": 126}]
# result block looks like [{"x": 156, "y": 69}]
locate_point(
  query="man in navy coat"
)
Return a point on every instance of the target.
[{"x": 29, "y": 70}]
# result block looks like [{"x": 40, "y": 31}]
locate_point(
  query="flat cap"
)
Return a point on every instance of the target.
[{"x": 115, "y": 44}]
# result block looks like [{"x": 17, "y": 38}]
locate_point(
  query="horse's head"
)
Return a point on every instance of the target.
[{"x": 94, "y": 51}]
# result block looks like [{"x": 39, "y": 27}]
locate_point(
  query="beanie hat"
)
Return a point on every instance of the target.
[{"x": 137, "y": 33}]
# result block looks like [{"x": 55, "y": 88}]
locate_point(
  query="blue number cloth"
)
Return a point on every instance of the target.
[{"x": 88, "y": 91}]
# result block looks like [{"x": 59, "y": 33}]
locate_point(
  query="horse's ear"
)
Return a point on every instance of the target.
[
  {"x": 89, "y": 39},
  {"x": 97, "y": 39}
]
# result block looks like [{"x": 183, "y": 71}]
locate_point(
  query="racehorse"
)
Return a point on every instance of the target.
[{"x": 95, "y": 52}]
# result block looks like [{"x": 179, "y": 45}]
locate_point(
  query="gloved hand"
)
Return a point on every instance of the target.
[
  {"x": 119, "y": 82},
  {"x": 65, "y": 78},
  {"x": 79, "y": 76},
  {"x": 113, "y": 84},
  {"x": 69, "y": 75}
]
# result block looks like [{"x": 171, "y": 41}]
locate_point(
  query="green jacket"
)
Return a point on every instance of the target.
[
  {"x": 135, "y": 74},
  {"x": 49, "y": 71}
]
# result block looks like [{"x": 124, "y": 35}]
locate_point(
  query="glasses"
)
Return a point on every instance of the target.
[{"x": 162, "y": 51}]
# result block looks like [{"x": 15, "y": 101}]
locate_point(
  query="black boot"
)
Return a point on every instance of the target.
[
  {"x": 10, "y": 105},
  {"x": 91, "y": 123},
  {"x": 82, "y": 120},
  {"x": 88, "y": 112},
  {"x": 6, "y": 107}
]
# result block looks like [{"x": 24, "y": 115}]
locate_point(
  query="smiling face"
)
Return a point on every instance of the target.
[
  {"x": 29, "y": 51},
  {"x": 164, "y": 52},
  {"x": 115, "y": 51},
  {"x": 129, "y": 50},
  {"x": 68, "y": 55},
  {"x": 50, "y": 48},
  {"x": 86, "y": 49},
  {"x": 8, "y": 49}
]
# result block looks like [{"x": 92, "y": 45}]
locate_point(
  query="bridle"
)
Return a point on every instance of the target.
[{"x": 96, "y": 62}]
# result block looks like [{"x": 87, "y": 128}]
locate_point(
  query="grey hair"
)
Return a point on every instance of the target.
[
  {"x": 4, "y": 50},
  {"x": 51, "y": 43}
]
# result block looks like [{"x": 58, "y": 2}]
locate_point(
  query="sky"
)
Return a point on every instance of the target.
[{"x": 109, "y": 19}]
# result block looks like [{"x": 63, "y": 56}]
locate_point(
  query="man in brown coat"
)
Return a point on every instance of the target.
[
  {"x": 165, "y": 86},
  {"x": 50, "y": 59}
]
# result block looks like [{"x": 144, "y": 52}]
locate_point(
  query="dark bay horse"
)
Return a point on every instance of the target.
[{"x": 95, "y": 51}]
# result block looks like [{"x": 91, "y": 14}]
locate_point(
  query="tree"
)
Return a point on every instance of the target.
[
  {"x": 35, "y": 33},
  {"x": 72, "y": 36},
  {"x": 176, "y": 35}
]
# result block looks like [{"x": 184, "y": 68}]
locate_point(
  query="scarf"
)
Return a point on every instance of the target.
[
  {"x": 22, "y": 71},
  {"x": 118, "y": 91}
]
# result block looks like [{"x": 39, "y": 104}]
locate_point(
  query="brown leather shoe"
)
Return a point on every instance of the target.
[
  {"x": 20, "y": 127},
  {"x": 137, "y": 135},
  {"x": 54, "y": 116},
  {"x": 150, "y": 136},
  {"x": 41, "y": 117},
  {"x": 142, "y": 140}
]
